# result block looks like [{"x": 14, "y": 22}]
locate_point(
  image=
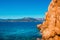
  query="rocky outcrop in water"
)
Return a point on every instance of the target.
[{"x": 50, "y": 29}]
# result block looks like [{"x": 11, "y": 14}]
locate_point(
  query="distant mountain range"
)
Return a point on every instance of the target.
[{"x": 26, "y": 19}]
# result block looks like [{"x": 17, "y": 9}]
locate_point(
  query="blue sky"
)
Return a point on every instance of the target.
[{"x": 23, "y": 8}]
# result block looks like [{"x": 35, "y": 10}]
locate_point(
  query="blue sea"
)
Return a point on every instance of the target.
[{"x": 19, "y": 31}]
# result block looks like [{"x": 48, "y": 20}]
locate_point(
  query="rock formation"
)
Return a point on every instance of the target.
[{"x": 50, "y": 29}]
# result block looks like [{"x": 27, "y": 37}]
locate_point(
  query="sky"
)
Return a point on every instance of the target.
[{"x": 12, "y": 9}]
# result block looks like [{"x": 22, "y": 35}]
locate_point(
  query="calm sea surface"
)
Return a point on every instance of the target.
[{"x": 19, "y": 30}]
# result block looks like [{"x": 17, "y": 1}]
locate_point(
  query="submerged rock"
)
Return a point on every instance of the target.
[{"x": 50, "y": 29}]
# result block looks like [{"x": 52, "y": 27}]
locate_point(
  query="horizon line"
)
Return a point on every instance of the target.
[{"x": 21, "y": 17}]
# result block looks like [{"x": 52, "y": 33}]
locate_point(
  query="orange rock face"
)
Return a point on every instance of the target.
[{"x": 50, "y": 29}]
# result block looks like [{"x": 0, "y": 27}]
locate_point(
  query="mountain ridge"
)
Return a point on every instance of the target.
[{"x": 25, "y": 19}]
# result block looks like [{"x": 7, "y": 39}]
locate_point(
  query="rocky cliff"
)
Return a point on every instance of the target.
[{"x": 50, "y": 29}]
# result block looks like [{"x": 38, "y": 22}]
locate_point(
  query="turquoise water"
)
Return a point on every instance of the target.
[{"x": 19, "y": 31}]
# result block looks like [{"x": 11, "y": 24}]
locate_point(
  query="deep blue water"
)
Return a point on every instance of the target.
[{"x": 19, "y": 30}]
